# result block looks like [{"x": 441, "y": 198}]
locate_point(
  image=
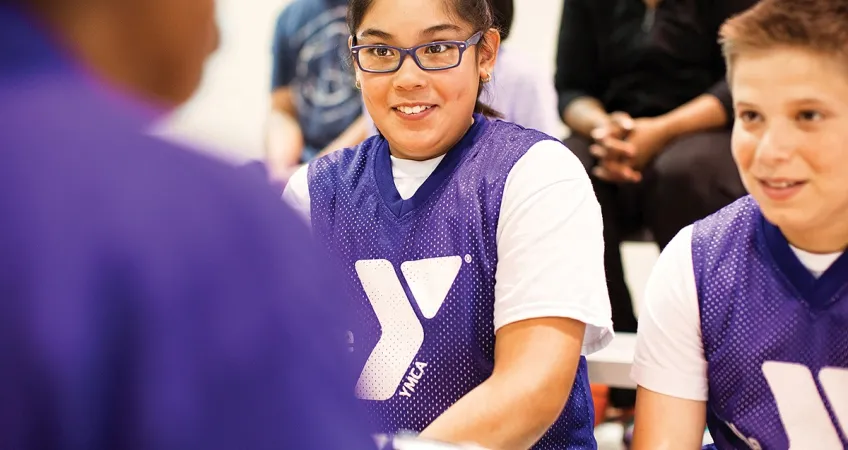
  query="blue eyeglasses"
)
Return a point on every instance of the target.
[{"x": 440, "y": 55}]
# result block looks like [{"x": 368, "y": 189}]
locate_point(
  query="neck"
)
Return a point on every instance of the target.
[
  {"x": 834, "y": 240},
  {"x": 96, "y": 37}
]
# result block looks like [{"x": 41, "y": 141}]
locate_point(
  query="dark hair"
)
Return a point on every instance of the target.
[
  {"x": 504, "y": 11},
  {"x": 476, "y": 12}
]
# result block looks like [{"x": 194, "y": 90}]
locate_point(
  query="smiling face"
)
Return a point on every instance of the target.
[
  {"x": 790, "y": 142},
  {"x": 422, "y": 114}
]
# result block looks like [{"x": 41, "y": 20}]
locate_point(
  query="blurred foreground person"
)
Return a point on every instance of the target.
[{"x": 150, "y": 298}]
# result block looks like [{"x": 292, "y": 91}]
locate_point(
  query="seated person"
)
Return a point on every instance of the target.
[
  {"x": 473, "y": 247},
  {"x": 314, "y": 104},
  {"x": 746, "y": 322},
  {"x": 518, "y": 90},
  {"x": 641, "y": 85}
]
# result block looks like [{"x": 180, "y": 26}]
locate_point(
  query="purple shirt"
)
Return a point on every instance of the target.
[
  {"x": 774, "y": 336},
  {"x": 150, "y": 298},
  {"x": 421, "y": 272}
]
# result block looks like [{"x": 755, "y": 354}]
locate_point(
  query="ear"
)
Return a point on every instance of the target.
[{"x": 488, "y": 52}]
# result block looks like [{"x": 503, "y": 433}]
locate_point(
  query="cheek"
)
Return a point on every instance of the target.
[
  {"x": 826, "y": 155},
  {"x": 375, "y": 93},
  {"x": 744, "y": 145}
]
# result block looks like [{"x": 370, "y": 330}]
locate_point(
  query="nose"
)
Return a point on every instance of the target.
[
  {"x": 409, "y": 76},
  {"x": 777, "y": 145}
]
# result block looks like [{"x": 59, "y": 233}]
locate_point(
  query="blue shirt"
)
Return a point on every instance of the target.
[
  {"x": 311, "y": 56},
  {"x": 150, "y": 298}
]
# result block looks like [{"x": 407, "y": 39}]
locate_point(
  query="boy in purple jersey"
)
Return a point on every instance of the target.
[
  {"x": 745, "y": 326},
  {"x": 473, "y": 246},
  {"x": 150, "y": 298}
]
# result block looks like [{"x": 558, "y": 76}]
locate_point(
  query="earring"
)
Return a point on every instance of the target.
[
  {"x": 358, "y": 84},
  {"x": 486, "y": 78}
]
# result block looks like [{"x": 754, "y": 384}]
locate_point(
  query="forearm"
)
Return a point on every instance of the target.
[
  {"x": 500, "y": 414},
  {"x": 584, "y": 114},
  {"x": 285, "y": 141},
  {"x": 667, "y": 423},
  {"x": 702, "y": 113}
]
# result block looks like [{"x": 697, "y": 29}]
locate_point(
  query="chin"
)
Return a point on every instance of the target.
[{"x": 788, "y": 217}]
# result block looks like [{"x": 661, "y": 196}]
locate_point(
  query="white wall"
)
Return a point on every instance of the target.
[{"x": 227, "y": 116}]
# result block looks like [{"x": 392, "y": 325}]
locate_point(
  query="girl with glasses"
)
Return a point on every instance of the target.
[{"x": 473, "y": 247}]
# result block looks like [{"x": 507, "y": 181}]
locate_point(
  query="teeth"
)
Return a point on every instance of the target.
[
  {"x": 412, "y": 110},
  {"x": 780, "y": 184}
]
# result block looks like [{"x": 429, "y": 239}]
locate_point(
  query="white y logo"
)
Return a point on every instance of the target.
[
  {"x": 429, "y": 280},
  {"x": 802, "y": 410}
]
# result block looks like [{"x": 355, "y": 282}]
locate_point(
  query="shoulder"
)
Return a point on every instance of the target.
[
  {"x": 299, "y": 13},
  {"x": 91, "y": 167},
  {"x": 548, "y": 161},
  {"x": 733, "y": 221}
]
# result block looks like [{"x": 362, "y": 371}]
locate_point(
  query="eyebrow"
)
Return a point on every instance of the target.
[{"x": 380, "y": 34}]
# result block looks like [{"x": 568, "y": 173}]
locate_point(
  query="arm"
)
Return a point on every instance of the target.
[
  {"x": 535, "y": 364},
  {"x": 296, "y": 193},
  {"x": 714, "y": 108},
  {"x": 585, "y": 114},
  {"x": 284, "y": 140},
  {"x": 669, "y": 365},
  {"x": 577, "y": 72},
  {"x": 705, "y": 112},
  {"x": 285, "y": 137},
  {"x": 664, "y": 422},
  {"x": 549, "y": 213}
]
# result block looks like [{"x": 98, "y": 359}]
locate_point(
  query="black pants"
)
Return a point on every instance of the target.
[{"x": 693, "y": 177}]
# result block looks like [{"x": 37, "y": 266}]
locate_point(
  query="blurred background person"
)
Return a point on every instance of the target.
[
  {"x": 150, "y": 297},
  {"x": 642, "y": 86},
  {"x": 315, "y": 106}
]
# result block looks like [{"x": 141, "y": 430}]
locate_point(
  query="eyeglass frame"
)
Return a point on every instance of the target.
[{"x": 461, "y": 45}]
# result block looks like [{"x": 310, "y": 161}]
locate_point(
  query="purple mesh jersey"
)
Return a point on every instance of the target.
[
  {"x": 422, "y": 273},
  {"x": 775, "y": 338},
  {"x": 150, "y": 297}
]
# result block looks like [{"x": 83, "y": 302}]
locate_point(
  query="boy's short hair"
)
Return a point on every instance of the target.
[{"x": 817, "y": 25}]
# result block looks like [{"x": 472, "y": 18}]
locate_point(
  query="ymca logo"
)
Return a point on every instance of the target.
[
  {"x": 429, "y": 281},
  {"x": 802, "y": 410}
]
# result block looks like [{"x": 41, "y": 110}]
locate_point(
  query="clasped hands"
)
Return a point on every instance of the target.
[{"x": 624, "y": 146}]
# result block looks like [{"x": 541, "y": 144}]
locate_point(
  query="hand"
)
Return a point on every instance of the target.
[
  {"x": 612, "y": 149},
  {"x": 623, "y": 160}
]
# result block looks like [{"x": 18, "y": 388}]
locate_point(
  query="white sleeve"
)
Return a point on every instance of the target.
[
  {"x": 551, "y": 247},
  {"x": 296, "y": 193},
  {"x": 669, "y": 355}
]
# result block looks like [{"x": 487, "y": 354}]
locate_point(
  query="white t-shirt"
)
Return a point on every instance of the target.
[
  {"x": 669, "y": 355},
  {"x": 550, "y": 239}
]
